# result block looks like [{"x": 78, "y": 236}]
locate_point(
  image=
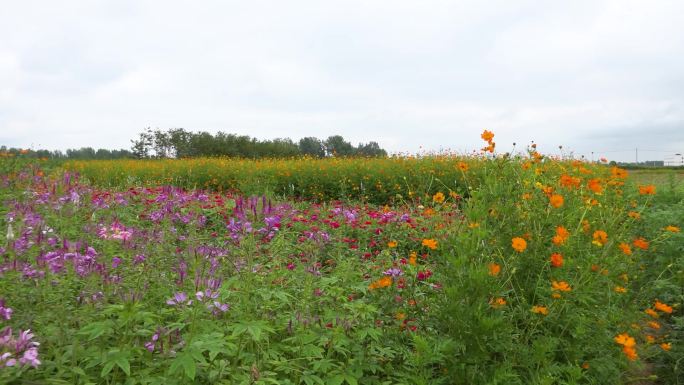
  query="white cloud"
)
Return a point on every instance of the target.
[{"x": 408, "y": 74}]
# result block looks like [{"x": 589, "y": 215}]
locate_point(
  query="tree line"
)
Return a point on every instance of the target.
[{"x": 179, "y": 143}]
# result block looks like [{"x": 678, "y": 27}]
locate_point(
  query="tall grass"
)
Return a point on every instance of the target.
[{"x": 375, "y": 180}]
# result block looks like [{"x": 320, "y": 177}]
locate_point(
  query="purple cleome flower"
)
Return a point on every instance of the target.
[{"x": 179, "y": 298}]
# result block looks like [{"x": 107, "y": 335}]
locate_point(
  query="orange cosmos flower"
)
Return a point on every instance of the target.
[
  {"x": 561, "y": 236},
  {"x": 487, "y": 136},
  {"x": 494, "y": 269},
  {"x": 463, "y": 166},
  {"x": 600, "y": 237},
  {"x": 620, "y": 289},
  {"x": 595, "y": 186},
  {"x": 519, "y": 244},
  {"x": 392, "y": 244},
  {"x": 625, "y": 248},
  {"x": 672, "y": 229},
  {"x": 666, "y": 346},
  {"x": 497, "y": 302},
  {"x": 640, "y": 243},
  {"x": 382, "y": 282},
  {"x": 556, "y": 200},
  {"x": 438, "y": 198},
  {"x": 653, "y": 325},
  {"x": 618, "y": 173},
  {"x": 647, "y": 190},
  {"x": 650, "y": 339},
  {"x": 560, "y": 286},
  {"x": 430, "y": 243},
  {"x": 586, "y": 226},
  {"x": 540, "y": 310},
  {"x": 628, "y": 345},
  {"x": 634, "y": 215},
  {"x": 630, "y": 352},
  {"x": 412, "y": 258},
  {"x": 652, "y": 313},
  {"x": 570, "y": 181},
  {"x": 556, "y": 260},
  {"x": 662, "y": 307},
  {"x": 624, "y": 339}
]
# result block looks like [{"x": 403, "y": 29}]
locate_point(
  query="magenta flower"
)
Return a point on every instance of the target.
[
  {"x": 179, "y": 298},
  {"x": 394, "y": 272},
  {"x": 5, "y": 312}
]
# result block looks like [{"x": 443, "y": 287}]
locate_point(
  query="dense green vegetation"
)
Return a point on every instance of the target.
[{"x": 495, "y": 270}]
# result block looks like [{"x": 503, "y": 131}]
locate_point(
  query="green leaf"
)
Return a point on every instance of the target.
[
  {"x": 336, "y": 380},
  {"x": 185, "y": 361},
  {"x": 351, "y": 380},
  {"x": 107, "y": 368},
  {"x": 123, "y": 363},
  {"x": 95, "y": 329}
]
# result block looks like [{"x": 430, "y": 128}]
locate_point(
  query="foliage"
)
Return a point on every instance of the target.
[{"x": 483, "y": 270}]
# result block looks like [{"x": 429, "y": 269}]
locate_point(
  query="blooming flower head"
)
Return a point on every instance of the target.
[
  {"x": 619, "y": 289},
  {"x": 662, "y": 307},
  {"x": 562, "y": 235},
  {"x": 423, "y": 275},
  {"x": 5, "y": 312},
  {"x": 570, "y": 181},
  {"x": 595, "y": 186},
  {"x": 647, "y": 190},
  {"x": 412, "y": 258},
  {"x": 519, "y": 244},
  {"x": 487, "y": 136},
  {"x": 381, "y": 283},
  {"x": 393, "y": 272},
  {"x": 630, "y": 353},
  {"x": 652, "y": 313},
  {"x": 556, "y": 200},
  {"x": 672, "y": 229},
  {"x": 666, "y": 346},
  {"x": 179, "y": 298},
  {"x": 640, "y": 243},
  {"x": 560, "y": 286},
  {"x": 540, "y": 310},
  {"x": 497, "y": 302},
  {"x": 618, "y": 173},
  {"x": 392, "y": 244},
  {"x": 438, "y": 198},
  {"x": 494, "y": 269},
  {"x": 600, "y": 237},
  {"x": 626, "y": 250},
  {"x": 624, "y": 339},
  {"x": 556, "y": 260},
  {"x": 430, "y": 243}
]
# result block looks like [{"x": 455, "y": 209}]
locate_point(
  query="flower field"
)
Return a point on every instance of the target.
[{"x": 433, "y": 270}]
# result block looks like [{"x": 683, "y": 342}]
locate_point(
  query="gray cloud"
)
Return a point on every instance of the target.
[{"x": 412, "y": 75}]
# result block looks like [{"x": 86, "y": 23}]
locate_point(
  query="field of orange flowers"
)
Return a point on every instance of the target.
[{"x": 491, "y": 269}]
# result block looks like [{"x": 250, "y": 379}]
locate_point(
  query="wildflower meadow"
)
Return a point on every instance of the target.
[{"x": 484, "y": 269}]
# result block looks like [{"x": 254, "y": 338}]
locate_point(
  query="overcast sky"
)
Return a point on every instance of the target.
[{"x": 602, "y": 76}]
